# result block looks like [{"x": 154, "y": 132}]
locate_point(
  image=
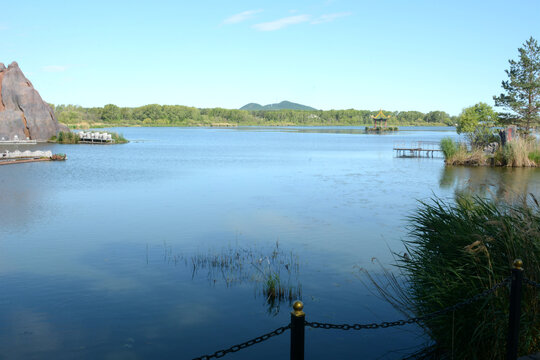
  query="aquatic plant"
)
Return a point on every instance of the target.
[
  {"x": 534, "y": 156},
  {"x": 519, "y": 152},
  {"x": 448, "y": 147},
  {"x": 67, "y": 137},
  {"x": 455, "y": 251},
  {"x": 462, "y": 156},
  {"x": 118, "y": 138},
  {"x": 457, "y": 153},
  {"x": 274, "y": 271},
  {"x": 516, "y": 153}
]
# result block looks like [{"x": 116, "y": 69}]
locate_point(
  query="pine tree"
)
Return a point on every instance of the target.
[{"x": 522, "y": 89}]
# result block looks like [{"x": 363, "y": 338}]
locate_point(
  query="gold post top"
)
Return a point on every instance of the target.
[
  {"x": 518, "y": 264},
  {"x": 298, "y": 306}
]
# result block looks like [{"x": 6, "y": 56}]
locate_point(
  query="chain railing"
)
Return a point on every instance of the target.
[
  {"x": 298, "y": 322},
  {"x": 259, "y": 339},
  {"x": 531, "y": 283},
  {"x": 418, "y": 319}
]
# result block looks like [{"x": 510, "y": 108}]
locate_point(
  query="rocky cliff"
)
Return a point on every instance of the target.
[{"x": 22, "y": 111}]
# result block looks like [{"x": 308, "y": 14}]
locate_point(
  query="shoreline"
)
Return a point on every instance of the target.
[{"x": 435, "y": 127}]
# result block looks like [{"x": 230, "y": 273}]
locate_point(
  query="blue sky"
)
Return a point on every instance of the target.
[{"x": 329, "y": 54}]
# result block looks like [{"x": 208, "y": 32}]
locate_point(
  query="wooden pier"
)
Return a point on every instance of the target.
[
  {"x": 21, "y": 161},
  {"x": 17, "y": 142},
  {"x": 20, "y": 157},
  {"x": 416, "y": 149}
]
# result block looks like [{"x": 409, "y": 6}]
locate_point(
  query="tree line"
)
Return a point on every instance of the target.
[{"x": 178, "y": 115}]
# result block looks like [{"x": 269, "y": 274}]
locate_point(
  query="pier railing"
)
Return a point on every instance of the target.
[
  {"x": 298, "y": 321},
  {"x": 417, "y": 149}
]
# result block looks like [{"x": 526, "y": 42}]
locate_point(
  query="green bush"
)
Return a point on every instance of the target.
[
  {"x": 67, "y": 137},
  {"x": 535, "y": 156},
  {"x": 448, "y": 147},
  {"x": 457, "y": 251}
]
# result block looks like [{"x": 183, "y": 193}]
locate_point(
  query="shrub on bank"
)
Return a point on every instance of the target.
[
  {"x": 67, "y": 137},
  {"x": 534, "y": 156},
  {"x": 457, "y": 251},
  {"x": 448, "y": 147}
]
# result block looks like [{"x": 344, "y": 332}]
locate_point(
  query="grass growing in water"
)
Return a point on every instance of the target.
[
  {"x": 457, "y": 251},
  {"x": 516, "y": 153},
  {"x": 274, "y": 271},
  {"x": 118, "y": 138}
]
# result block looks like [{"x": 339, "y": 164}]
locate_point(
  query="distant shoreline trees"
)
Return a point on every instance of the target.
[{"x": 177, "y": 115}]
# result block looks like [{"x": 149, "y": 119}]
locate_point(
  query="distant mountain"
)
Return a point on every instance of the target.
[
  {"x": 252, "y": 106},
  {"x": 284, "y": 105}
]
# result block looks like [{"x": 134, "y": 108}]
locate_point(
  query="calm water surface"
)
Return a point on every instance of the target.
[{"x": 119, "y": 252}]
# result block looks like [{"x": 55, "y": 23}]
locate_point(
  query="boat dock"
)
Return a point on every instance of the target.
[
  {"x": 17, "y": 141},
  {"x": 416, "y": 149},
  {"x": 95, "y": 138}
]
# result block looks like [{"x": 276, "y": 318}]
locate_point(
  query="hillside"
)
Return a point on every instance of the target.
[{"x": 284, "y": 105}]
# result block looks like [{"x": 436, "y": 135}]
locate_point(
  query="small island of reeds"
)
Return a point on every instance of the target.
[
  {"x": 503, "y": 139},
  {"x": 519, "y": 152}
]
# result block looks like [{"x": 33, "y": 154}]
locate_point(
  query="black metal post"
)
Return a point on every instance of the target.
[
  {"x": 512, "y": 343},
  {"x": 298, "y": 318}
]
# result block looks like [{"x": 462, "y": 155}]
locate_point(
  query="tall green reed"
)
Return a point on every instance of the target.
[{"x": 455, "y": 251}]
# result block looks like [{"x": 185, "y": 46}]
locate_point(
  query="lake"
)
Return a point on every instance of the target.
[{"x": 160, "y": 248}]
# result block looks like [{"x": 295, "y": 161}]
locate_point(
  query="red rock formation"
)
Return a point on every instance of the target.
[{"x": 22, "y": 111}]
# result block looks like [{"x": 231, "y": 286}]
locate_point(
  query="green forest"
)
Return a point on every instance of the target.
[{"x": 176, "y": 115}]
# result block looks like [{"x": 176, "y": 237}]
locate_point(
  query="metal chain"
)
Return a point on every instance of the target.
[
  {"x": 531, "y": 283},
  {"x": 386, "y": 324},
  {"x": 238, "y": 347}
]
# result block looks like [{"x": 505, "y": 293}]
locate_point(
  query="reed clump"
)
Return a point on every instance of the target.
[
  {"x": 118, "y": 138},
  {"x": 458, "y": 154},
  {"x": 456, "y": 251},
  {"x": 449, "y": 147},
  {"x": 516, "y": 153},
  {"x": 519, "y": 152},
  {"x": 66, "y": 137}
]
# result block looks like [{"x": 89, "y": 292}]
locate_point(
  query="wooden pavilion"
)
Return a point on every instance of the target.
[{"x": 380, "y": 119}]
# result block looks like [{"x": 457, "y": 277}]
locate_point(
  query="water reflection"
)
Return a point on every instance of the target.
[{"x": 498, "y": 184}]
